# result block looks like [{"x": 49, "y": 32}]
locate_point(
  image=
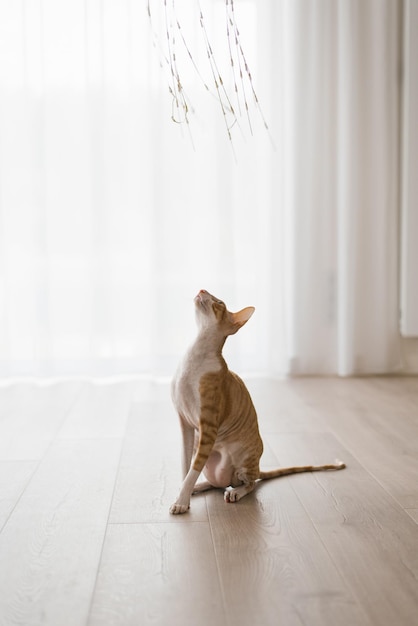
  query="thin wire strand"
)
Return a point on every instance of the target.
[
  {"x": 239, "y": 69},
  {"x": 249, "y": 76},
  {"x": 228, "y": 35},
  {"x": 239, "y": 57},
  {"x": 218, "y": 82}
]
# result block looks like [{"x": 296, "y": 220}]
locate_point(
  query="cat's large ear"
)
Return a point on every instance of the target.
[{"x": 241, "y": 317}]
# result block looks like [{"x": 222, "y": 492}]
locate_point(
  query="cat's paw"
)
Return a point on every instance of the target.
[
  {"x": 177, "y": 509},
  {"x": 232, "y": 495}
]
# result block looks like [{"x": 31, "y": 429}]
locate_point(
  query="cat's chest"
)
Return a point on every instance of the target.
[{"x": 186, "y": 383}]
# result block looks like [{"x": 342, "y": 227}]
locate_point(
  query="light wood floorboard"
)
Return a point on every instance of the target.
[
  {"x": 51, "y": 544},
  {"x": 274, "y": 567},
  {"x": 88, "y": 471},
  {"x": 413, "y": 513},
  {"x": 377, "y": 420},
  {"x": 14, "y": 476},
  {"x": 158, "y": 574},
  {"x": 30, "y": 417},
  {"x": 364, "y": 529}
]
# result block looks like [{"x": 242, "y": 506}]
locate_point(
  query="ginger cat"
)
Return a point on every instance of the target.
[{"x": 217, "y": 417}]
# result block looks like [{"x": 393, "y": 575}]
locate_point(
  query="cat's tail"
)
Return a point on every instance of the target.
[{"x": 284, "y": 471}]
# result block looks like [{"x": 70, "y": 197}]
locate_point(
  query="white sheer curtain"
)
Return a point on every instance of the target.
[
  {"x": 341, "y": 181},
  {"x": 110, "y": 220}
]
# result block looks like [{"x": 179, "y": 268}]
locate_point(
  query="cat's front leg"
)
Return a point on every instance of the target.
[
  {"x": 182, "y": 504},
  {"x": 188, "y": 438},
  {"x": 206, "y": 441}
]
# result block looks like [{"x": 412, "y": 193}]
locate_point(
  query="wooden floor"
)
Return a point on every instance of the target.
[{"x": 88, "y": 471}]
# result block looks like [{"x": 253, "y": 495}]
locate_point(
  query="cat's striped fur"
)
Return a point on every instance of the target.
[{"x": 217, "y": 417}]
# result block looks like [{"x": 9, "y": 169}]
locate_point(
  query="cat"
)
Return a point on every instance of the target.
[{"x": 217, "y": 417}]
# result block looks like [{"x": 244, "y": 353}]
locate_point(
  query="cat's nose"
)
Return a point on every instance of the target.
[{"x": 203, "y": 291}]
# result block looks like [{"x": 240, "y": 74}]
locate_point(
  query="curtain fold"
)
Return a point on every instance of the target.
[
  {"x": 368, "y": 178},
  {"x": 112, "y": 215},
  {"x": 342, "y": 185}
]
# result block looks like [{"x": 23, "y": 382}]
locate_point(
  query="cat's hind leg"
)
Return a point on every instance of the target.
[
  {"x": 244, "y": 483},
  {"x": 203, "y": 486},
  {"x": 233, "y": 494}
]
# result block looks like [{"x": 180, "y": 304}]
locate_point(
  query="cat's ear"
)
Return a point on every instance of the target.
[{"x": 240, "y": 318}]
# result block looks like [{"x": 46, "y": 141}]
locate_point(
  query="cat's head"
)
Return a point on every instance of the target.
[{"x": 212, "y": 313}]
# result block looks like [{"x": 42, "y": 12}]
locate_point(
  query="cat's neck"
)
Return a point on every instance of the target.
[{"x": 208, "y": 345}]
